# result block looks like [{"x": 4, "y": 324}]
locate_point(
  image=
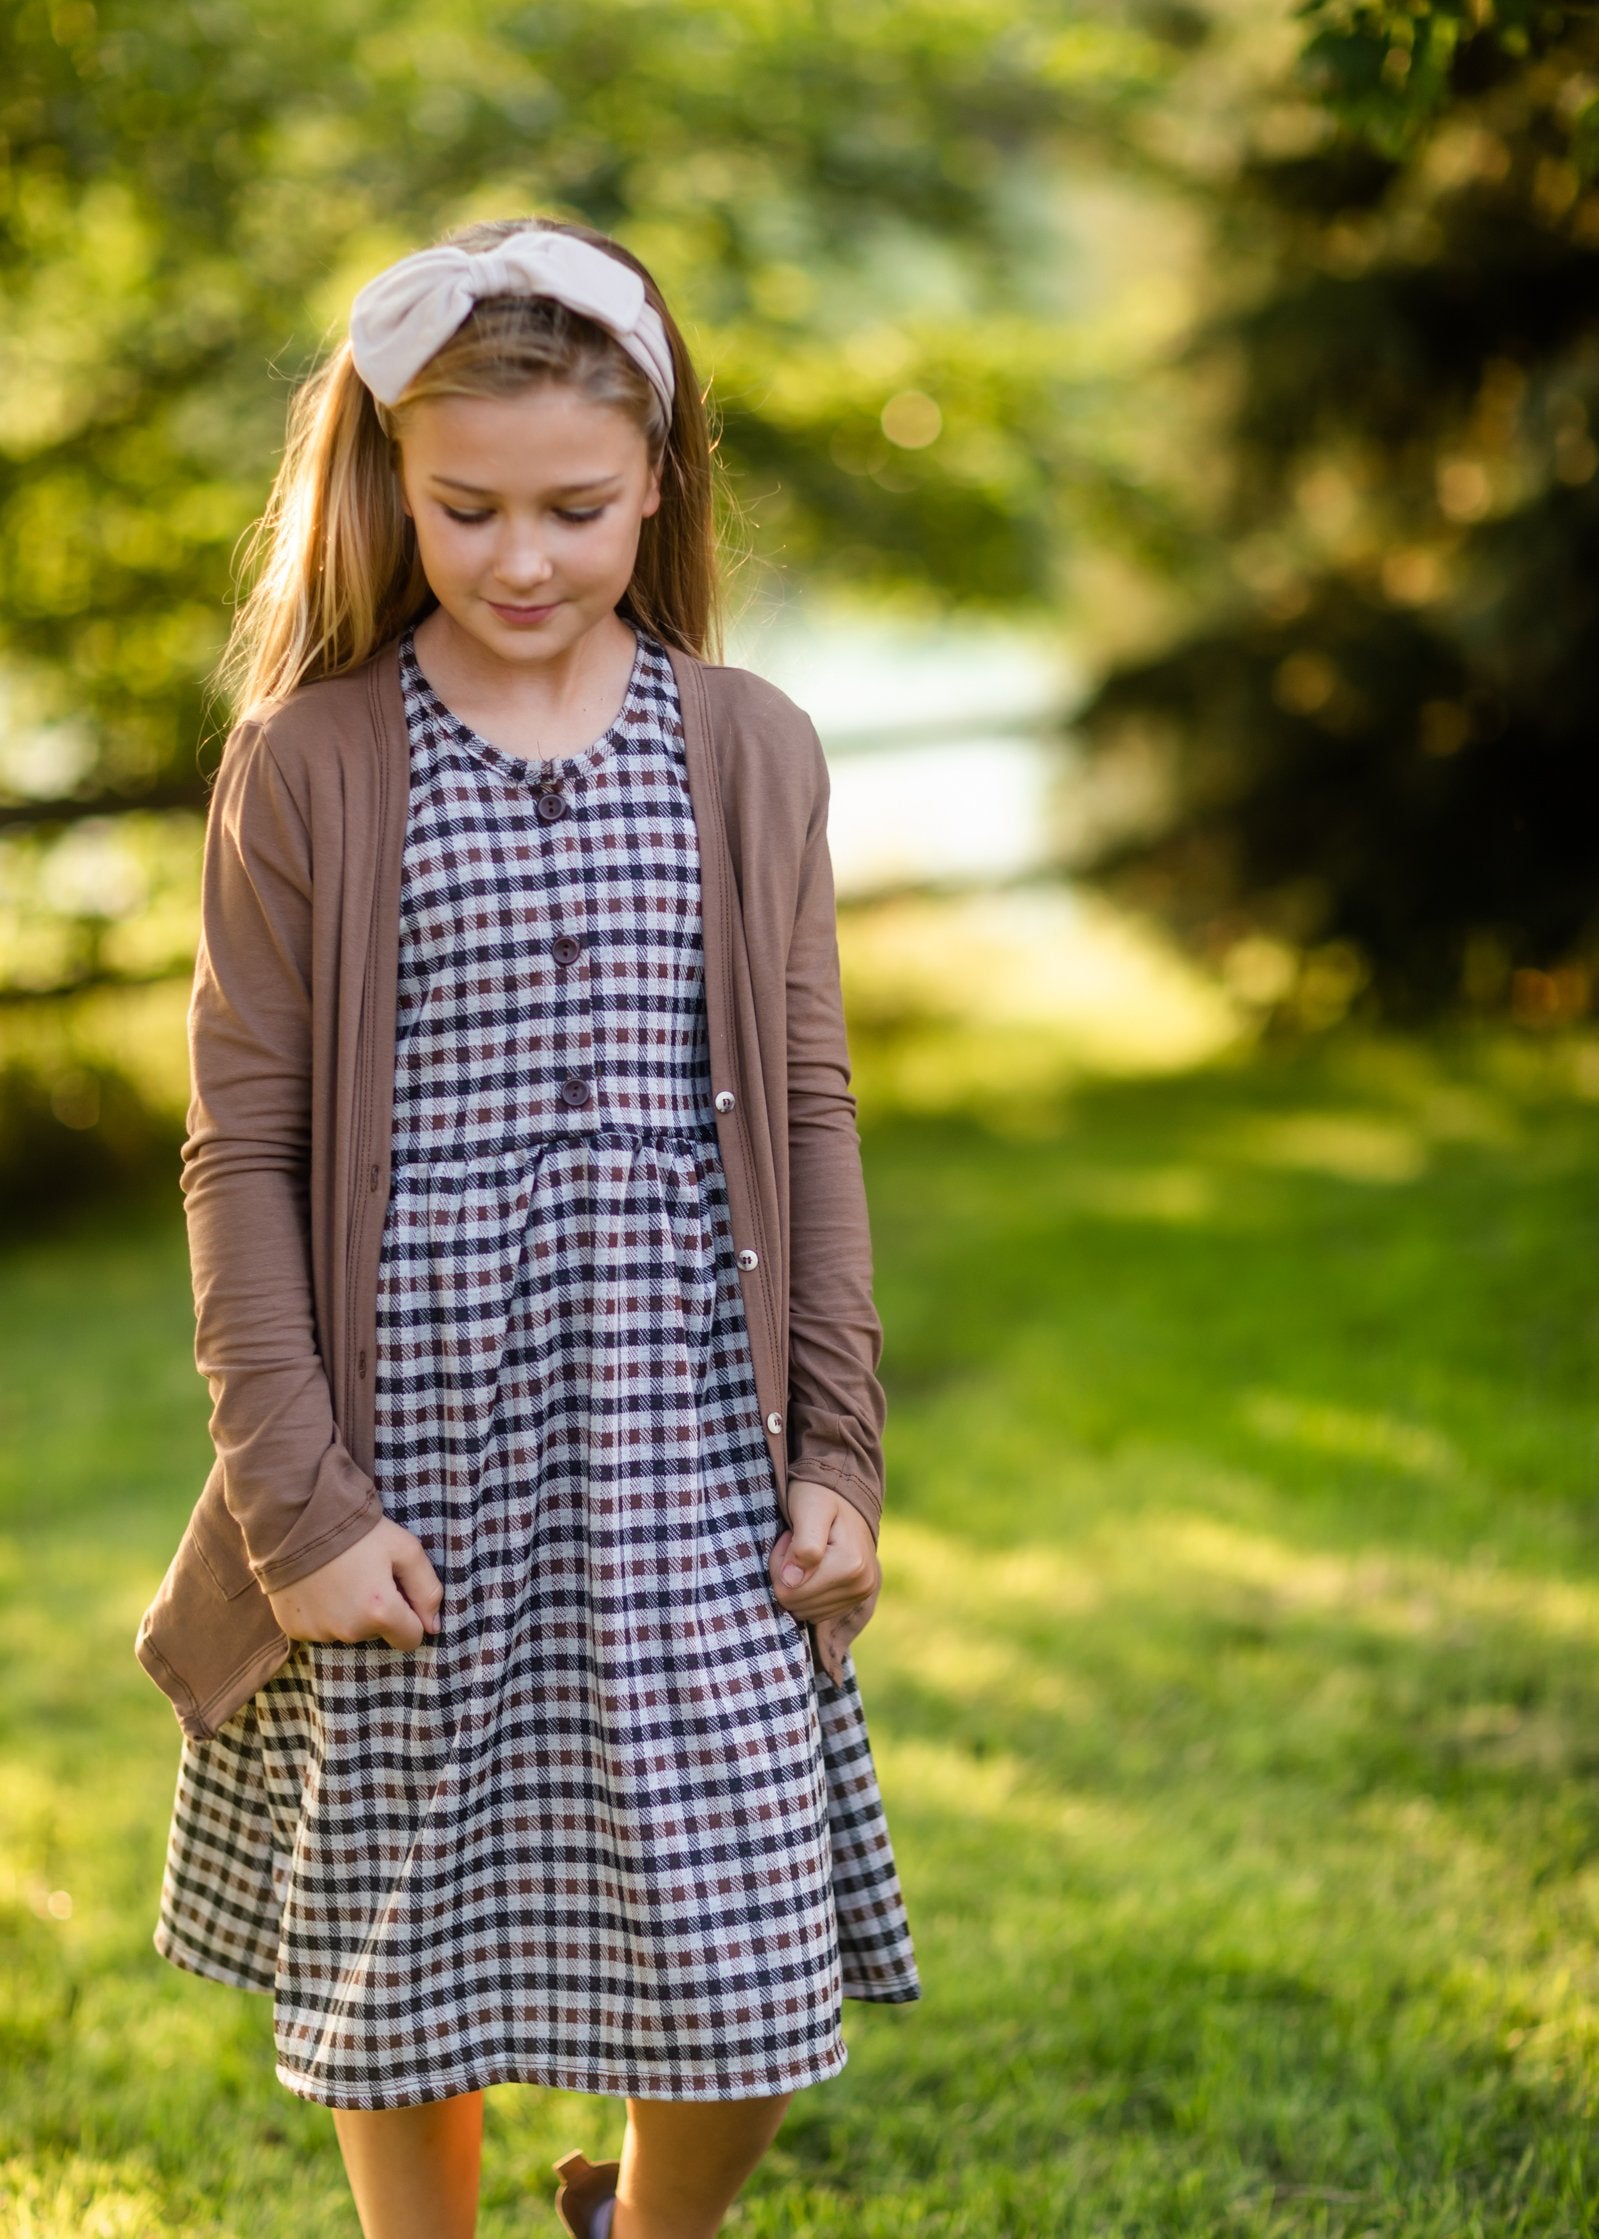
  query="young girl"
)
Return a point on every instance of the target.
[{"x": 510, "y": 1635}]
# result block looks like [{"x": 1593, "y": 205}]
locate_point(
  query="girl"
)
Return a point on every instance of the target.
[{"x": 510, "y": 1634}]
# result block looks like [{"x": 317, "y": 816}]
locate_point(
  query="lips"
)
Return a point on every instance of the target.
[{"x": 516, "y": 614}]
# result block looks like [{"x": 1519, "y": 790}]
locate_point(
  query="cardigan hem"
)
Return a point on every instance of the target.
[{"x": 276, "y": 1572}]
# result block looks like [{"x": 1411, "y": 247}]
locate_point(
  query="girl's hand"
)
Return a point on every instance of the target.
[
  {"x": 824, "y": 1569},
  {"x": 382, "y": 1588}
]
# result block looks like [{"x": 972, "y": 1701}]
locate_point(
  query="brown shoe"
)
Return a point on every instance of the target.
[{"x": 584, "y": 2184}]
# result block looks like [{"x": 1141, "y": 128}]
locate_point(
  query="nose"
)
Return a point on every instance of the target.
[{"x": 520, "y": 561}]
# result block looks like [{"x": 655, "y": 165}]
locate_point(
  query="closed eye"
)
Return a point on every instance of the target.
[{"x": 562, "y": 513}]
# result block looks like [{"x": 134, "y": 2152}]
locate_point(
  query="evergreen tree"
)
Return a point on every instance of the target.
[{"x": 1378, "y": 737}]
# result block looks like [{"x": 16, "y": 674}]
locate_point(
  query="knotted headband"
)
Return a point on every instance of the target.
[{"x": 401, "y": 318}]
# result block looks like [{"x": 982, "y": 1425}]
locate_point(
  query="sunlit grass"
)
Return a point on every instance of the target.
[
  {"x": 1003, "y": 995},
  {"x": 1233, "y": 1691}
]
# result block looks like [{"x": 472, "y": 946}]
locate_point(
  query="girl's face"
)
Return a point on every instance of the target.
[{"x": 527, "y": 512}]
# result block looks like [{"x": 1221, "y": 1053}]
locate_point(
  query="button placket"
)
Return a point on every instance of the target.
[{"x": 571, "y": 1090}]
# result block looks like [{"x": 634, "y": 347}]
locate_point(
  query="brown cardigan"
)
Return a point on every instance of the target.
[{"x": 286, "y": 1161}]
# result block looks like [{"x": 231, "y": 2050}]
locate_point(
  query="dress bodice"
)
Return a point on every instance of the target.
[{"x": 551, "y": 956}]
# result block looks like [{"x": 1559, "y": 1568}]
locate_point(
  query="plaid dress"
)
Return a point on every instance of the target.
[{"x": 610, "y": 1830}]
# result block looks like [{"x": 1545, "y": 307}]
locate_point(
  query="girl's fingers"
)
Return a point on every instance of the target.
[
  {"x": 401, "y": 1627},
  {"x": 420, "y": 1583},
  {"x": 793, "y": 1592},
  {"x": 810, "y": 1609},
  {"x": 836, "y": 1584},
  {"x": 774, "y": 1561},
  {"x": 382, "y": 1588}
]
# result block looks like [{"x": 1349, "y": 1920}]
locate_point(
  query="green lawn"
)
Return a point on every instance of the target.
[{"x": 1233, "y": 1689}]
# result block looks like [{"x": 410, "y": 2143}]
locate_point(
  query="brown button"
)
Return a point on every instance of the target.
[
  {"x": 360, "y": 1364},
  {"x": 372, "y": 1178},
  {"x": 566, "y": 948},
  {"x": 552, "y": 805},
  {"x": 575, "y": 1091}
]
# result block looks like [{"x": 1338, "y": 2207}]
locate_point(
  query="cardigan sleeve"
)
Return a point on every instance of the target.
[
  {"x": 296, "y": 1492},
  {"x": 836, "y": 1405}
]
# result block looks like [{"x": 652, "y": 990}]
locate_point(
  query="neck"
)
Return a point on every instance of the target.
[
  {"x": 561, "y": 683},
  {"x": 540, "y": 709}
]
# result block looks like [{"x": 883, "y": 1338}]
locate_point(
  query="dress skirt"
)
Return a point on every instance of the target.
[{"x": 611, "y": 1829}]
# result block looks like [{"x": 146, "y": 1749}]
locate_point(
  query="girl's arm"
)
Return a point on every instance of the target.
[
  {"x": 836, "y": 1405},
  {"x": 288, "y": 1478},
  {"x": 825, "y": 1568}
]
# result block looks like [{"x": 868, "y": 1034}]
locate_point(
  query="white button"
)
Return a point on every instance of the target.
[
  {"x": 747, "y": 1258},
  {"x": 725, "y": 1100},
  {"x": 774, "y": 1422}
]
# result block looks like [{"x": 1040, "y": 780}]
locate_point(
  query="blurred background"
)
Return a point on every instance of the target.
[{"x": 1160, "y": 445}]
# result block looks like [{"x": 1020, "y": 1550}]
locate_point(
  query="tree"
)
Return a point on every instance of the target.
[
  {"x": 854, "y": 210},
  {"x": 1378, "y": 730},
  {"x": 829, "y": 196}
]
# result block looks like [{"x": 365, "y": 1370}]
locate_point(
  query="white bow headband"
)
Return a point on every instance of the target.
[{"x": 401, "y": 318}]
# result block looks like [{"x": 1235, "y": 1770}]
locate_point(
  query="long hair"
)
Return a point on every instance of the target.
[{"x": 332, "y": 563}]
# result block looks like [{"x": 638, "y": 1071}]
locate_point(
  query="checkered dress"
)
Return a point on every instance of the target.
[{"x": 610, "y": 1830}]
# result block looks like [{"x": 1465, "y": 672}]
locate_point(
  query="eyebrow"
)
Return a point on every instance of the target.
[{"x": 564, "y": 490}]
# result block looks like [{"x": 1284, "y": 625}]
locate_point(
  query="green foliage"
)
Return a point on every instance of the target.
[
  {"x": 836, "y": 200},
  {"x": 1380, "y": 721},
  {"x": 1390, "y": 68},
  {"x": 1232, "y": 1692}
]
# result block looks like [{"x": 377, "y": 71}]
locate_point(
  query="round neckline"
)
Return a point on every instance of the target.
[{"x": 535, "y": 770}]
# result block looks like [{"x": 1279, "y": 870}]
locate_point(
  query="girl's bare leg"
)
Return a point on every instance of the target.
[
  {"x": 683, "y": 2162},
  {"x": 414, "y": 2170}
]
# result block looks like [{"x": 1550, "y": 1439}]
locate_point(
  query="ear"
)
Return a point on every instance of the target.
[{"x": 652, "y": 493}]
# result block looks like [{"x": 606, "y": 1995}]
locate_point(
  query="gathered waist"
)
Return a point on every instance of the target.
[{"x": 611, "y": 1136}]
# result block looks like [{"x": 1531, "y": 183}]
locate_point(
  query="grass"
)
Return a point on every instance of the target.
[{"x": 1233, "y": 1691}]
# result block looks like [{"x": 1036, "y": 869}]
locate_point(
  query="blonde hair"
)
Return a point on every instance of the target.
[{"x": 332, "y": 563}]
